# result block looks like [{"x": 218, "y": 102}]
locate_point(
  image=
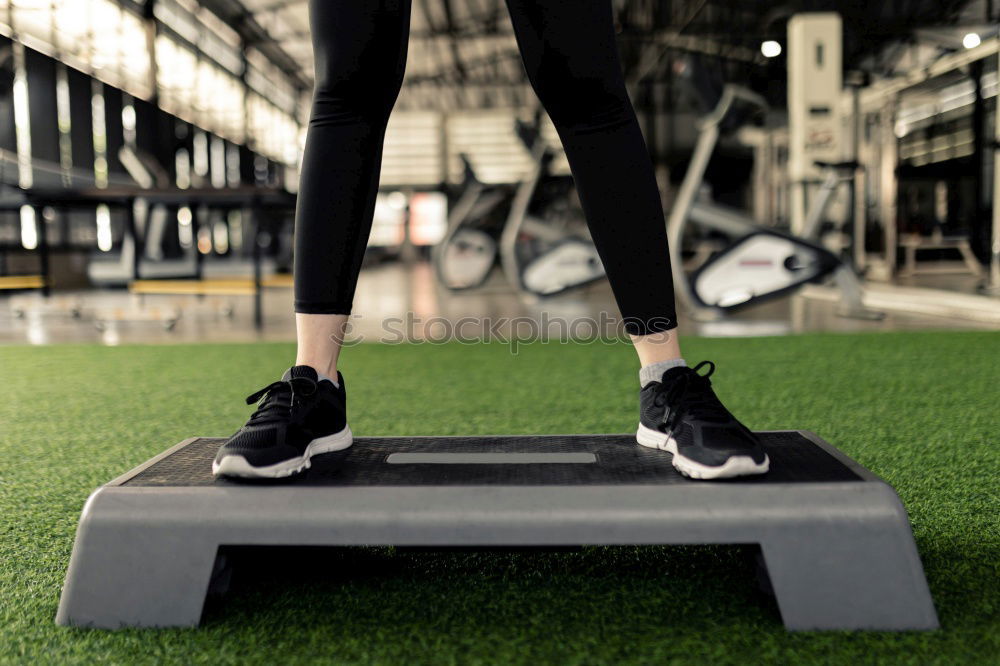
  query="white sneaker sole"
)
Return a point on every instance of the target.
[
  {"x": 735, "y": 466},
  {"x": 236, "y": 465}
]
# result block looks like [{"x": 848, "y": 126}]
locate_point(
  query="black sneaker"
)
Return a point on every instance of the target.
[
  {"x": 299, "y": 417},
  {"x": 681, "y": 414}
]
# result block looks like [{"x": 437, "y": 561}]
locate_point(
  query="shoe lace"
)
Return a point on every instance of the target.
[
  {"x": 689, "y": 393},
  {"x": 279, "y": 399}
]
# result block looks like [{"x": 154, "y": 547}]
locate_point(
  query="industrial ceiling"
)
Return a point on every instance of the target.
[{"x": 462, "y": 53}]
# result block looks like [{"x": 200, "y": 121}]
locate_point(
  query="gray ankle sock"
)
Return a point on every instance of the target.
[
  {"x": 320, "y": 377},
  {"x": 654, "y": 371}
]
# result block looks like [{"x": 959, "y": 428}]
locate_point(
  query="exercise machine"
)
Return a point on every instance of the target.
[
  {"x": 545, "y": 247},
  {"x": 836, "y": 544},
  {"x": 758, "y": 262},
  {"x": 466, "y": 254},
  {"x": 535, "y": 226}
]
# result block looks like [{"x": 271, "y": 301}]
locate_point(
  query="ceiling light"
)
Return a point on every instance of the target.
[
  {"x": 971, "y": 40},
  {"x": 770, "y": 49}
]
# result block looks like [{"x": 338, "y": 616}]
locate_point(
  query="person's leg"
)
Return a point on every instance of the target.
[
  {"x": 360, "y": 51},
  {"x": 572, "y": 61},
  {"x": 571, "y": 57},
  {"x": 319, "y": 338},
  {"x": 657, "y": 347}
]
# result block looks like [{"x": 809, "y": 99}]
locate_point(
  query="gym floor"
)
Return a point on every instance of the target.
[
  {"x": 919, "y": 408},
  {"x": 912, "y": 397},
  {"x": 391, "y": 290}
]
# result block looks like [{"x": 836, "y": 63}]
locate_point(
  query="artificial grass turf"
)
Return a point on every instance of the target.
[{"x": 921, "y": 409}]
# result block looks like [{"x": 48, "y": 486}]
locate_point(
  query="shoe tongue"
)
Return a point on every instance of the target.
[
  {"x": 299, "y": 371},
  {"x": 671, "y": 374}
]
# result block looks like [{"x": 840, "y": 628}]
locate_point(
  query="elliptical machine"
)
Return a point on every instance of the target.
[
  {"x": 759, "y": 263},
  {"x": 536, "y": 226},
  {"x": 545, "y": 247},
  {"x": 464, "y": 257}
]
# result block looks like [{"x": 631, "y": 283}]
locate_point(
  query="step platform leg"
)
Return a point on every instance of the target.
[
  {"x": 123, "y": 573},
  {"x": 850, "y": 574}
]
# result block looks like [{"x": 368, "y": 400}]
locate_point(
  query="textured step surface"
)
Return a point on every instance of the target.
[{"x": 618, "y": 460}]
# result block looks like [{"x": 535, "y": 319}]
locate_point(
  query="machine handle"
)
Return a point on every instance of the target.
[{"x": 730, "y": 94}]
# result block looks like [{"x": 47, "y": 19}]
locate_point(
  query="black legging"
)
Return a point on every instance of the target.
[{"x": 572, "y": 61}]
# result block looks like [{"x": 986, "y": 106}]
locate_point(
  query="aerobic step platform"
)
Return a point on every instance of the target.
[{"x": 834, "y": 537}]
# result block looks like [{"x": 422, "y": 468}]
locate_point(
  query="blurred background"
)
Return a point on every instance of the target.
[{"x": 824, "y": 166}]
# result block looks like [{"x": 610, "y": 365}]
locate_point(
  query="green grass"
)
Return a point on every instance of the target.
[{"x": 920, "y": 409}]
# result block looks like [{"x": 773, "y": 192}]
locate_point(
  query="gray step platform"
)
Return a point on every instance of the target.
[{"x": 834, "y": 537}]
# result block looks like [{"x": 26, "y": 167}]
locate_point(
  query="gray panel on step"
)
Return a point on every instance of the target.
[
  {"x": 835, "y": 538},
  {"x": 794, "y": 459}
]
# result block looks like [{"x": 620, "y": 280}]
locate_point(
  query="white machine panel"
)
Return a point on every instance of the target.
[{"x": 815, "y": 80}]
